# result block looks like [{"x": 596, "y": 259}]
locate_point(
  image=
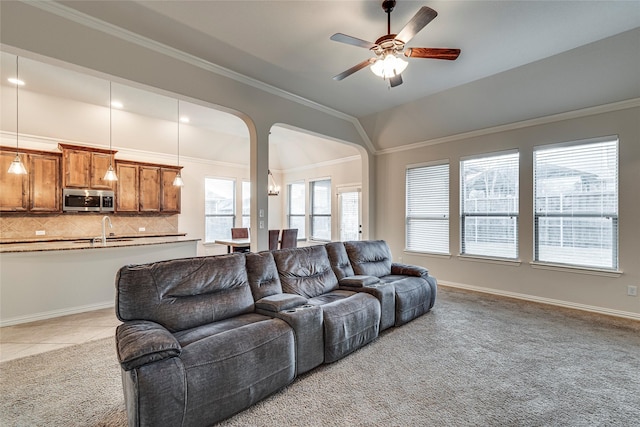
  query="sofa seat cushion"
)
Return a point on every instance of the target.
[
  {"x": 231, "y": 370},
  {"x": 349, "y": 323},
  {"x": 391, "y": 278},
  {"x": 330, "y": 297},
  {"x": 413, "y": 298},
  {"x": 189, "y": 336}
]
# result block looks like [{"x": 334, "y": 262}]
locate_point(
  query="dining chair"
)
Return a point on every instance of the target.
[
  {"x": 289, "y": 238},
  {"x": 274, "y": 236},
  {"x": 240, "y": 233}
]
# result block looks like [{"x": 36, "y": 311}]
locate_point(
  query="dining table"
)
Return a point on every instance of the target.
[{"x": 234, "y": 243}]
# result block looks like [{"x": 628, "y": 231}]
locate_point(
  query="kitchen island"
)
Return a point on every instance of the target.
[{"x": 44, "y": 279}]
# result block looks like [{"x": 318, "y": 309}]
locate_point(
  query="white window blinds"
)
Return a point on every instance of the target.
[
  {"x": 219, "y": 208},
  {"x": 321, "y": 210},
  {"x": 427, "y": 208},
  {"x": 576, "y": 204},
  {"x": 297, "y": 212},
  {"x": 489, "y": 206}
]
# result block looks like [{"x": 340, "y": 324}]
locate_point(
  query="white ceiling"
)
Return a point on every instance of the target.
[{"x": 286, "y": 43}]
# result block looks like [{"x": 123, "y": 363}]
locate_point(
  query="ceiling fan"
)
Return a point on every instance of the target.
[{"x": 387, "y": 64}]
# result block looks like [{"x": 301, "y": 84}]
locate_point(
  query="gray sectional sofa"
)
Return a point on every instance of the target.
[{"x": 204, "y": 338}]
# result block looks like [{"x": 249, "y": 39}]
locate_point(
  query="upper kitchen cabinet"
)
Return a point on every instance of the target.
[
  {"x": 84, "y": 167},
  {"x": 170, "y": 201},
  {"x": 127, "y": 187},
  {"x": 44, "y": 182},
  {"x": 39, "y": 190},
  {"x": 14, "y": 196},
  {"x": 149, "y": 188}
]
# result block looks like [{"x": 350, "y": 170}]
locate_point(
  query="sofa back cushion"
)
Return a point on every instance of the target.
[
  {"x": 184, "y": 293},
  {"x": 369, "y": 257},
  {"x": 263, "y": 275},
  {"x": 305, "y": 271},
  {"x": 339, "y": 260}
]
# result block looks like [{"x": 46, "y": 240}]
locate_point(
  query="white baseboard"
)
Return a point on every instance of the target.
[
  {"x": 54, "y": 313},
  {"x": 559, "y": 303}
]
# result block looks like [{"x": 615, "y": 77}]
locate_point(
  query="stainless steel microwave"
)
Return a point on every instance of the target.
[{"x": 75, "y": 200}]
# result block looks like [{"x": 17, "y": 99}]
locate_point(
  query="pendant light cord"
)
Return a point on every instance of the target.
[
  {"x": 178, "y": 132},
  {"x": 17, "y": 112},
  {"x": 110, "y": 125}
]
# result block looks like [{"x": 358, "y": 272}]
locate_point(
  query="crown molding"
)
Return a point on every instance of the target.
[
  {"x": 129, "y": 36},
  {"x": 590, "y": 111}
]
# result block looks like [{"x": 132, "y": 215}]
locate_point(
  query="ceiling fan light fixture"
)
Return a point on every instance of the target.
[{"x": 388, "y": 67}]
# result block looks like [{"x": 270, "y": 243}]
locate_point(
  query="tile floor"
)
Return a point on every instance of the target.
[{"x": 50, "y": 334}]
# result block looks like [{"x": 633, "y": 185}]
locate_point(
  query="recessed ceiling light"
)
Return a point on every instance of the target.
[
  {"x": 15, "y": 81},
  {"x": 117, "y": 104},
  {"x": 184, "y": 119}
]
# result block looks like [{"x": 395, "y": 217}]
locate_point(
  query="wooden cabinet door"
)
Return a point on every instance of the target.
[
  {"x": 44, "y": 183},
  {"x": 14, "y": 193},
  {"x": 127, "y": 187},
  {"x": 149, "y": 189},
  {"x": 170, "y": 201},
  {"x": 76, "y": 165},
  {"x": 99, "y": 164}
]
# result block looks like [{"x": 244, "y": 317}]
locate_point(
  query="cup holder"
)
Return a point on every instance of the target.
[
  {"x": 306, "y": 306},
  {"x": 293, "y": 310}
]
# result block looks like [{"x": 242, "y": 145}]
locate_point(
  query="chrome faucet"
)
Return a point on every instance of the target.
[{"x": 104, "y": 229}]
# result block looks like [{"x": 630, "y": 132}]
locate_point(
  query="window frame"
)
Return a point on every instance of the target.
[
  {"x": 301, "y": 233},
  {"x": 507, "y": 214},
  {"x": 615, "y": 237},
  {"x": 313, "y": 215},
  {"x": 439, "y": 217},
  {"x": 233, "y": 204}
]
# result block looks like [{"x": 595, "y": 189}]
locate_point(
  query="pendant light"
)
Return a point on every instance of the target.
[
  {"x": 17, "y": 167},
  {"x": 177, "y": 181},
  {"x": 111, "y": 174},
  {"x": 274, "y": 189}
]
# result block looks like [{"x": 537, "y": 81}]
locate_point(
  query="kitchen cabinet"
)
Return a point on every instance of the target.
[
  {"x": 127, "y": 188},
  {"x": 146, "y": 188},
  {"x": 149, "y": 188},
  {"x": 84, "y": 167},
  {"x": 39, "y": 190},
  {"x": 14, "y": 196},
  {"x": 170, "y": 201},
  {"x": 44, "y": 182}
]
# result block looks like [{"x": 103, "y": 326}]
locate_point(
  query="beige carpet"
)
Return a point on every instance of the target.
[{"x": 474, "y": 360}]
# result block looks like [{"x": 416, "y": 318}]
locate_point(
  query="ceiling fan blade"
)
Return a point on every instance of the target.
[
  {"x": 343, "y": 38},
  {"x": 432, "y": 52},
  {"x": 417, "y": 23},
  {"x": 353, "y": 69},
  {"x": 395, "y": 80}
]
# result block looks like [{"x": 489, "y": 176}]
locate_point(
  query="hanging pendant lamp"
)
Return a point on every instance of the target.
[
  {"x": 17, "y": 167},
  {"x": 111, "y": 174},
  {"x": 177, "y": 181}
]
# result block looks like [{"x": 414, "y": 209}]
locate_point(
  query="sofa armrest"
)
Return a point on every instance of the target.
[
  {"x": 358, "y": 281},
  {"x": 141, "y": 342},
  {"x": 280, "y": 302},
  {"x": 409, "y": 270}
]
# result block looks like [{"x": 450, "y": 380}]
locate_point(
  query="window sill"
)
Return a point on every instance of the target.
[
  {"x": 499, "y": 261},
  {"x": 428, "y": 254},
  {"x": 576, "y": 269}
]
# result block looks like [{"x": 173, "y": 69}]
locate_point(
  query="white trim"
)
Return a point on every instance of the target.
[
  {"x": 326, "y": 163},
  {"x": 55, "y": 313},
  {"x": 129, "y": 36},
  {"x": 590, "y": 111},
  {"x": 533, "y": 298},
  {"x": 426, "y": 254},
  {"x": 500, "y": 261},
  {"x": 576, "y": 269},
  {"x": 440, "y": 162}
]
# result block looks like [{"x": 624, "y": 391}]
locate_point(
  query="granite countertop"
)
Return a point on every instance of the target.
[{"x": 58, "y": 244}]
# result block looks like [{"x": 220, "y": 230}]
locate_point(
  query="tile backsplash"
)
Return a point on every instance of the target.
[{"x": 82, "y": 225}]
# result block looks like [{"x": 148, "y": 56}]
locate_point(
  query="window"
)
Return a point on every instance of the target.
[
  {"x": 219, "y": 208},
  {"x": 349, "y": 214},
  {"x": 321, "y": 210},
  {"x": 296, "y": 208},
  {"x": 427, "y": 208},
  {"x": 246, "y": 204},
  {"x": 489, "y": 206},
  {"x": 576, "y": 204}
]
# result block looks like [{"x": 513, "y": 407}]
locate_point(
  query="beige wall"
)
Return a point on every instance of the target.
[{"x": 567, "y": 287}]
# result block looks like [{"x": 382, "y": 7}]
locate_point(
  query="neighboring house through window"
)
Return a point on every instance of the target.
[{"x": 246, "y": 204}]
